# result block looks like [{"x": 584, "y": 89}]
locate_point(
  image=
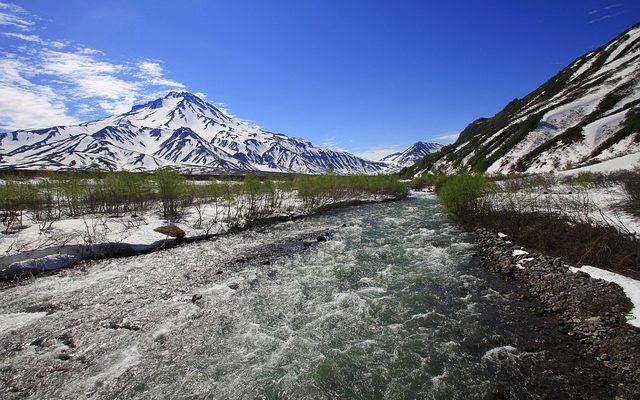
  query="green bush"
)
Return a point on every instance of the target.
[
  {"x": 418, "y": 183},
  {"x": 171, "y": 186},
  {"x": 315, "y": 190},
  {"x": 461, "y": 195},
  {"x": 585, "y": 179},
  {"x": 72, "y": 190}
]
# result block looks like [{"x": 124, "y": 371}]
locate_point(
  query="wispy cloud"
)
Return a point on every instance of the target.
[
  {"x": 46, "y": 82},
  {"x": 610, "y": 6},
  {"x": 605, "y": 13},
  {"x": 15, "y": 16},
  {"x": 444, "y": 138},
  {"x": 378, "y": 153}
]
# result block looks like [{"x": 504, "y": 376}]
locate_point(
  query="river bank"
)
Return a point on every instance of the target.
[
  {"x": 593, "y": 311},
  {"x": 35, "y": 257}
]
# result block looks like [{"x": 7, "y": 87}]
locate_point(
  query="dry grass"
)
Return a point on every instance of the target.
[{"x": 579, "y": 243}]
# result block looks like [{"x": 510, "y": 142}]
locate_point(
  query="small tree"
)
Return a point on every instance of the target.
[{"x": 171, "y": 185}]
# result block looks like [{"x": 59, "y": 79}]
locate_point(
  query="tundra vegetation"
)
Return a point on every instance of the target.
[
  {"x": 74, "y": 194},
  {"x": 559, "y": 215}
]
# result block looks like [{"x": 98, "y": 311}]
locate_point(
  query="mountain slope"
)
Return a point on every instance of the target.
[
  {"x": 586, "y": 114},
  {"x": 179, "y": 130},
  {"x": 412, "y": 154}
]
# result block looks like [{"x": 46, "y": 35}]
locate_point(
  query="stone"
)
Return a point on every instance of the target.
[
  {"x": 171, "y": 230},
  {"x": 234, "y": 285},
  {"x": 195, "y": 298},
  {"x": 321, "y": 238}
]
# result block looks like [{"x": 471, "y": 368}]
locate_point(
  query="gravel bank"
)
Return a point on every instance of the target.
[{"x": 591, "y": 310}]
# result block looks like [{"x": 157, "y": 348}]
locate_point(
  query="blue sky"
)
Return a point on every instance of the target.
[{"x": 365, "y": 76}]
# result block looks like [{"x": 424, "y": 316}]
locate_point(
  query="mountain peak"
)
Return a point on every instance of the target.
[
  {"x": 179, "y": 129},
  {"x": 183, "y": 94},
  {"x": 412, "y": 154}
]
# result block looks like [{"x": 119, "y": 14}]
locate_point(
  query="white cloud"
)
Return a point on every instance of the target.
[
  {"x": 447, "y": 137},
  {"x": 32, "y": 107},
  {"x": 70, "y": 64},
  {"x": 22, "y": 36},
  {"x": 607, "y": 10},
  {"x": 15, "y": 16},
  {"x": 226, "y": 111},
  {"x": 378, "y": 153},
  {"x": 224, "y": 108},
  {"x": 200, "y": 95},
  {"x": 150, "y": 69},
  {"x": 153, "y": 73},
  {"x": 24, "y": 104},
  {"x": 47, "y": 82}
]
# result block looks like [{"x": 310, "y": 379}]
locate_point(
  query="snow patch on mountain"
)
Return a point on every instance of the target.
[
  {"x": 411, "y": 155},
  {"x": 180, "y": 130},
  {"x": 587, "y": 114}
]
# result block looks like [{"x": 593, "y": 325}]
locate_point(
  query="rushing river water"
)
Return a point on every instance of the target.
[{"x": 392, "y": 306}]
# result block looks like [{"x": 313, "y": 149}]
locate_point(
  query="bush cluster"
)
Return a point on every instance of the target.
[
  {"x": 463, "y": 195},
  {"x": 318, "y": 190},
  {"x": 72, "y": 194}
]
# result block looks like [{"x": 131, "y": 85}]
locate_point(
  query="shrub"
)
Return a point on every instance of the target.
[
  {"x": 631, "y": 184},
  {"x": 585, "y": 179},
  {"x": 171, "y": 186},
  {"x": 15, "y": 198},
  {"x": 461, "y": 196},
  {"x": 418, "y": 183},
  {"x": 72, "y": 190}
]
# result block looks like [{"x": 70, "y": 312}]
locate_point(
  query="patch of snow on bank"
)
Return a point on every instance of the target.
[
  {"x": 630, "y": 286},
  {"x": 517, "y": 253}
]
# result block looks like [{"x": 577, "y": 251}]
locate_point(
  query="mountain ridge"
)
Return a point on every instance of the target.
[
  {"x": 586, "y": 114},
  {"x": 411, "y": 154},
  {"x": 180, "y": 130}
]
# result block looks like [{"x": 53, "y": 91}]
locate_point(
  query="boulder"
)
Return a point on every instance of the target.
[{"x": 171, "y": 230}]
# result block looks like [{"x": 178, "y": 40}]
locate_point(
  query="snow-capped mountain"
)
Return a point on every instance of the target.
[
  {"x": 411, "y": 155},
  {"x": 586, "y": 114},
  {"x": 179, "y": 130}
]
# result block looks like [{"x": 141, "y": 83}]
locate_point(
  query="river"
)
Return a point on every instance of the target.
[{"x": 394, "y": 305}]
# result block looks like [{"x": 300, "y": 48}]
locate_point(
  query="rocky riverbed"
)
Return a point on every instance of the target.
[{"x": 590, "y": 310}]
